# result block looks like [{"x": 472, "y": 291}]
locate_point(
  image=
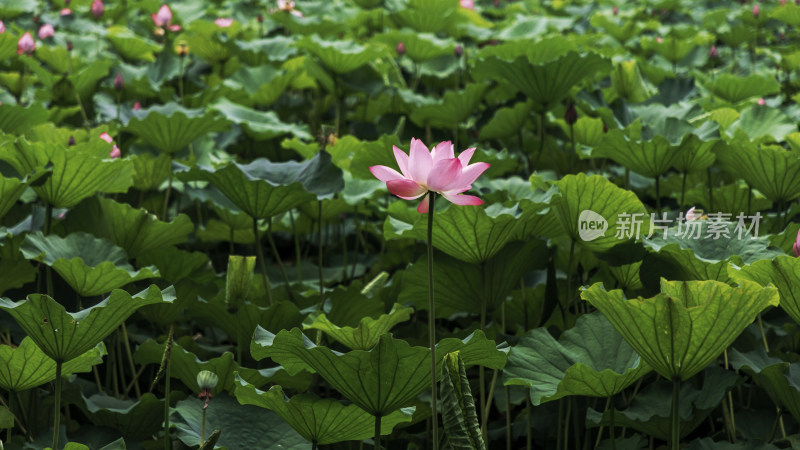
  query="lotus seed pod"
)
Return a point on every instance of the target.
[{"x": 207, "y": 379}]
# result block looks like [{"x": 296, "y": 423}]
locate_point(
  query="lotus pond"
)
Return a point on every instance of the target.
[{"x": 399, "y": 224}]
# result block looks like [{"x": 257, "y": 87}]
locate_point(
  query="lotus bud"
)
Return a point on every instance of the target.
[
  {"x": 2, "y": 27},
  {"x": 260, "y": 18},
  {"x": 756, "y": 11},
  {"x": 66, "y": 12},
  {"x": 615, "y": 10},
  {"x": 796, "y": 246},
  {"x": 712, "y": 52},
  {"x": 571, "y": 115},
  {"x": 401, "y": 48},
  {"x": 459, "y": 51},
  {"x": 182, "y": 49},
  {"x": 119, "y": 82},
  {"x": 762, "y": 102},
  {"x": 26, "y": 44},
  {"x": 70, "y": 46},
  {"x": 137, "y": 106},
  {"x": 115, "y": 152},
  {"x": 71, "y": 141},
  {"x": 98, "y": 8},
  {"x": 46, "y": 31}
]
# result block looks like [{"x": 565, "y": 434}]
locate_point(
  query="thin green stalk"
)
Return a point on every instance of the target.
[
  {"x": 278, "y": 258},
  {"x": 432, "y": 322},
  {"x": 567, "y": 417},
  {"x": 166, "y": 195},
  {"x": 528, "y": 437},
  {"x": 683, "y": 188},
  {"x": 541, "y": 142},
  {"x": 481, "y": 375},
  {"x": 658, "y": 193},
  {"x": 569, "y": 274},
  {"x": 297, "y": 252},
  {"x": 57, "y": 407},
  {"x": 11, "y": 404},
  {"x": 167, "y": 379},
  {"x": 319, "y": 259},
  {"x": 377, "y": 432},
  {"x": 507, "y": 394},
  {"x": 710, "y": 191},
  {"x": 675, "y": 436},
  {"x": 261, "y": 262},
  {"x": 203, "y": 427},
  {"x": 48, "y": 219},
  {"x": 129, "y": 354}
]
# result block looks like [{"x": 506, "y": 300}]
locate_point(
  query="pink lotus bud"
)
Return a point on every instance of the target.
[
  {"x": 137, "y": 106},
  {"x": 659, "y": 39},
  {"x": 459, "y": 51},
  {"x": 26, "y": 44},
  {"x": 260, "y": 18},
  {"x": 98, "y": 8},
  {"x": 71, "y": 141},
  {"x": 163, "y": 17},
  {"x": 712, "y": 52},
  {"x": 692, "y": 215},
  {"x": 119, "y": 82},
  {"x": 106, "y": 137},
  {"x": 66, "y": 12},
  {"x": 761, "y": 101},
  {"x": 615, "y": 10},
  {"x": 571, "y": 115},
  {"x": 468, "y": 4},
  {"x": 783, "y": 2},
  {"x": 2, "y": 27},
  {"x": 756, "y": 10},
  {"x": 115, "y": 152},
  {"x": 46, "y": 31},
  {"x": 401, "y": 48},
  {"x": 796, "y": 246},
  {"x": 70, "y": 46},
  {"x": 223, "y": 22}
]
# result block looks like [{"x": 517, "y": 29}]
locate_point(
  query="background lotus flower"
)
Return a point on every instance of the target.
[
  {"x": 223, "y": 22},
  {"x": 46, "y": 31},
  {"x": 469, "y": 4},
  {"x": 2, "y": 27},
  {"x": 288, "y": 6},
  {"x": 98, "y": 8},
  {"x": 66, "y": 12},
  {"x": 796, "y": 245},
  {"x": 26, "y": 44},
  {"x": 437, "y": 171},
  {"x": 106, "y": 137},
  {"x": 163, "y": 18}
]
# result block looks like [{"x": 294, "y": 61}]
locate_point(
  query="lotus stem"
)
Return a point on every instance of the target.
[
  {"x": 377, "y": 432},
  {"x": 710, "y": 191},
  {"x": 528, "y": 437},
  {"x": 167, "y": 378},
  {"x": 203, "y": 427},
  {"x": 57, "y": 406},
  {"x": 683, "y": 190},
  {"x": 676, "y": 418},
  {"x": 169, "y": 190},
  {"x": 507, "y": 395},
  {"x": 297, "y": 252},
  {"x": 569, "y": 274},
  {"x": 261, "y": 262},
  {"x": 658, "y": 193},
  {"x": 766, "y": 349},
  {"x": 129, "y": 354},
  {"x": 432, "y": 322},
  {"x": 278, "y": 258},
  {"x": 319, "y": 260},
  {"x": 566, "y": 423},
  {"x": 48, "y": 219}
]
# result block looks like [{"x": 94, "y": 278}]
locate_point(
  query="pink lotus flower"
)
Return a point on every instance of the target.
[
  {"x": 435, "y": 171},
  {"x": 2, "y": 27},
  {"x": 223, "y": 22},
  {"x": 712, "y": 52},
  {"x": 66, "y": 12},
  {"x": 762, "y": 102},
  {"x": 106, "y": 137},
  {"x": 691, "y": 214},
  {"x": 659, "y": 39},
  {"x": 163, "y": 18},
  {"x": 796, "y": 245},
  {"x": 288, "y": 6},
  {"x": 756, "y": 10},
  {"x": 401, "y": 48},
  {"x": 468, "y": 4},
  {"x": 46, "y": 31},
  {"x": 115, "y": 152},
  {"x": 137, "y": 106},
  {"x": 26, "y": 44},
  {"x": 98, "y": 8}
]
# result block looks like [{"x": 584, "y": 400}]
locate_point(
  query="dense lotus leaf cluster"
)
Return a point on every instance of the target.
[{"x": 201, "y": 240}]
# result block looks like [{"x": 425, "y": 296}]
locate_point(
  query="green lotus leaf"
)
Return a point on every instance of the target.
[
  {"x": 620, "y": 28},
  {"x": 239, "y": 324},
  {"x": 736, "y": 196},
  {"x": 8, "y": 45},
  {"x": 678, "y": 43},
  {"x": 319, "y": 420},
  {"x": 186, "y": 366},
  {"x": 650, "y": 158},
  {"x": 27, "y": 366},
  {"x": 135, "y": 230},
  {"x": 590, "y": 359},
  {"x": 762, "y": 124},
  {"x": 261, "y": 85},
  {"x": 171, "y": 127},
  {"x": 787, "y": 13},
  {"x": 783, "y": 272},
  {"x": 419, "y": 46},
  {"x": 340, "y": 56},
  {"x": 243, "y": 427},
  {"x": 368, "y": 331},
  {"x": 91, "y": 266},
  {"x": 64, "y": 336},
  {"x": 694, "y": 321},
  {"x": 544, "y": 83},
  {"x": 459, "y": 418},
  {"x": 426, "y": 16},
  {"x": 15, "y": 270},
  {"x": 628, "y": 82},
  {"x": 734, "y": 89},
  {"x": 130, "y": 46},
  {"x": 779, "y": 378},
  {"x": 507, "y": 121},
  {"x": 533, "y": 27},
  {"x": 206, "y": 44},
  {"x": 16, "y": 120},
  {"x": 770, "y": 169},
  {"x": 579, "y": 193},
  {"x": 260, "y": 125},
  {"x": 381, "y": 380},
  {"x": 695, "y": 154},
  {"x": 12, "y": 188},
  {"x": 475, "y": 349},
  {"x": 454, "y": 108},
  {"x": 78, "y": 172},
  {"x": 460, "y": 286},
  {"x": 150, "y": 171},
  {"x": 470, "y": 233},
  {"x": 84, "y": 81},
  {"x": 650, "y": 411},
  {"x": 686, "y": 264},
  {"x": 136, "y": 420}
]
